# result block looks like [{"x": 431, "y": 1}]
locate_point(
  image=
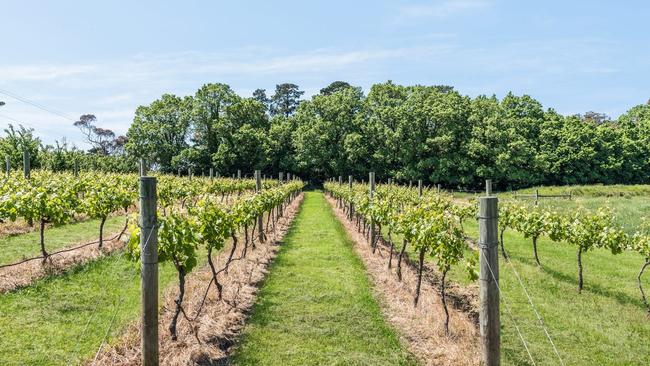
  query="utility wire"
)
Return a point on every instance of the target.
[
  {"x": 37, "y": 105},
  {"x": 539, "y": 317},
  {"x": 510, "y": 314}
]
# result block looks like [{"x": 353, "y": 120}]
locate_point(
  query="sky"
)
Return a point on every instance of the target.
[{"x": 108, "y": 57}]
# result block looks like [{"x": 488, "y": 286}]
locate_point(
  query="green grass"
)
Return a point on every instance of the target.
[
  {"x": 629, "y": 209},
  {"x": 605, "y": 325},
  {"x": 316, "y": 307},
  {"x": 16, "y": 247},
  {"x": 64, "y": 318}
]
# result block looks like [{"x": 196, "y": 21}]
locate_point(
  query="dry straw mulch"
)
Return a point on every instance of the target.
[
  {"x": 209, "y": 338},
  {"x": 421, "y": 328}
]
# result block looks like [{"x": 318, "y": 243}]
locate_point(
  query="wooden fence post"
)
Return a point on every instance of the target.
[
  {"x": 419, "y": 188},
  {"x": 260, "y": 220},
  {"x": 238, "y": 174},
  {"x": 488, "y": 187},
  {"x": 7, "y": 166},
  {"x": 149, "y": 260},
  {"x": 211, "y": 173},
  {"x": 26, "y": 164},
  {"x": 371, "y": 184},
  {"x": 489, "y": 322},
  {"x": 536, "y": 196},
  {"x": 350, "y": 208},
  {"x": 143, "y": 170}
]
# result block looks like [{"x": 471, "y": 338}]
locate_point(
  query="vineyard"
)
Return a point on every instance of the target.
[
  {"x": 196, "y": 218},
  {"x": 72, "y": 244},
  {"x": 546, "y": 250}
]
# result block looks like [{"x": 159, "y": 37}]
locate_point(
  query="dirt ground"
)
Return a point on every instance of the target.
[
  {"x": 207, "y": 339},
  {"x": 421, "y": 328}
]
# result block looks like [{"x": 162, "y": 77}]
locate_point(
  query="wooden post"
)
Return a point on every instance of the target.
[
  {"x": 26, "y": 163},
  {"x": 371, "y": 184},
  {"x": 143, "y": 170},
  {"x": 238, "y": 174},
  {"x": 536, "y": 196},
  {"x": 260, "y": 220},
  {"x": 7, "y": 166},
  {"x": 179, "y": 172},
  {"x": 390, "y": 181},
  {"x": 489, "y": 281},
  {"x": 488, "y": 187},
  {"x": 281, "y": 176},
  {"x": 211, "y": 173},
  {"x": 419, "y": 188},
  {"x": 350, "y": 208},
  {"x": 149, "y": 260},
  {"x": 76, "y": 168}
]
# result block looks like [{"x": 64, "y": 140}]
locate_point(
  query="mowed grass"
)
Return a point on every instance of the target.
[
  {"x": 16, "y": 247},
  {"x": 64, "y": 319},
  {"x": 316, "y": 307},
  {"x": 605, "y": 325}
]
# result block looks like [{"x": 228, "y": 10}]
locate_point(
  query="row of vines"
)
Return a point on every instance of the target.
[
  {"x": 47, "y": 198},
  {"x": 432, "y": 225},
  {"x": 203, "y": 223}
]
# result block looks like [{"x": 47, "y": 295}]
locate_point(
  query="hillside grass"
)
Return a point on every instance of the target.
[
  {"x": 16, "y": 247},
  {"x": 316, "y": 306}
]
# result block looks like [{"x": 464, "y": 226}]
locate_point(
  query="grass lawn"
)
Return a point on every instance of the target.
[
  {"x": 605, "y": 325},
  {"x": 16, "y": 247},
  {"x": 64, "y": 318},
  {"x": 316, "y": 307}
]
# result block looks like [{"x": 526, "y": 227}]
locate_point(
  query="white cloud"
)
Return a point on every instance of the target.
[{"x": 439, "y": 9}]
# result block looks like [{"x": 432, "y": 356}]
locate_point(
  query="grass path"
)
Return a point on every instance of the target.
[{"x": 316, "y": 307}]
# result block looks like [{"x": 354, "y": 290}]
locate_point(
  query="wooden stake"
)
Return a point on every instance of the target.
[
  {"x": 489, "y": 322},
  {"x": 149, "y": 260},
  {"x": 26, "y": 164}
]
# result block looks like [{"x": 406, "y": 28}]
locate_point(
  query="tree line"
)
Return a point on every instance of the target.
[
  {"x": 414, "y": 132},
  {"x": 406, "y": 133}
]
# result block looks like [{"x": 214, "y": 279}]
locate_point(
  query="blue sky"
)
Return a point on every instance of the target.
[{"x": 107, "y": 58}]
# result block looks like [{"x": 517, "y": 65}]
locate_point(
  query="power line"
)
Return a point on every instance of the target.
[
  {"x": 37, "y": 105},
  {"x": 17, "y": 121}
]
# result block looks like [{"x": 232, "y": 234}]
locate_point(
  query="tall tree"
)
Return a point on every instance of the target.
[
  {"x": 334, "y": 87},
  {"x": 286, "y": 99},
  {"x": 103, "y": 140},
  {"x": 159, "y": 131},
  {"x": 260, "y": 96}
]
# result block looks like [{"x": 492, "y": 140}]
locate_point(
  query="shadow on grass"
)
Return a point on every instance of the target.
[{"x": 620, "y": 297}]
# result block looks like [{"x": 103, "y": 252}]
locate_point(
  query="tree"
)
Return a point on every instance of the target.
[
  {"x": 286, "y": 99},
  {"x": 16, "y": 141},
  {"x": 596, "y": 118},
  {"x": 160, "y": 130},
  {"x": 260, "y": 96},
  {"x": 334, "y": 87},
  {"x": 323, "y": 124},
  {"x": 103, "y": 140}
]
